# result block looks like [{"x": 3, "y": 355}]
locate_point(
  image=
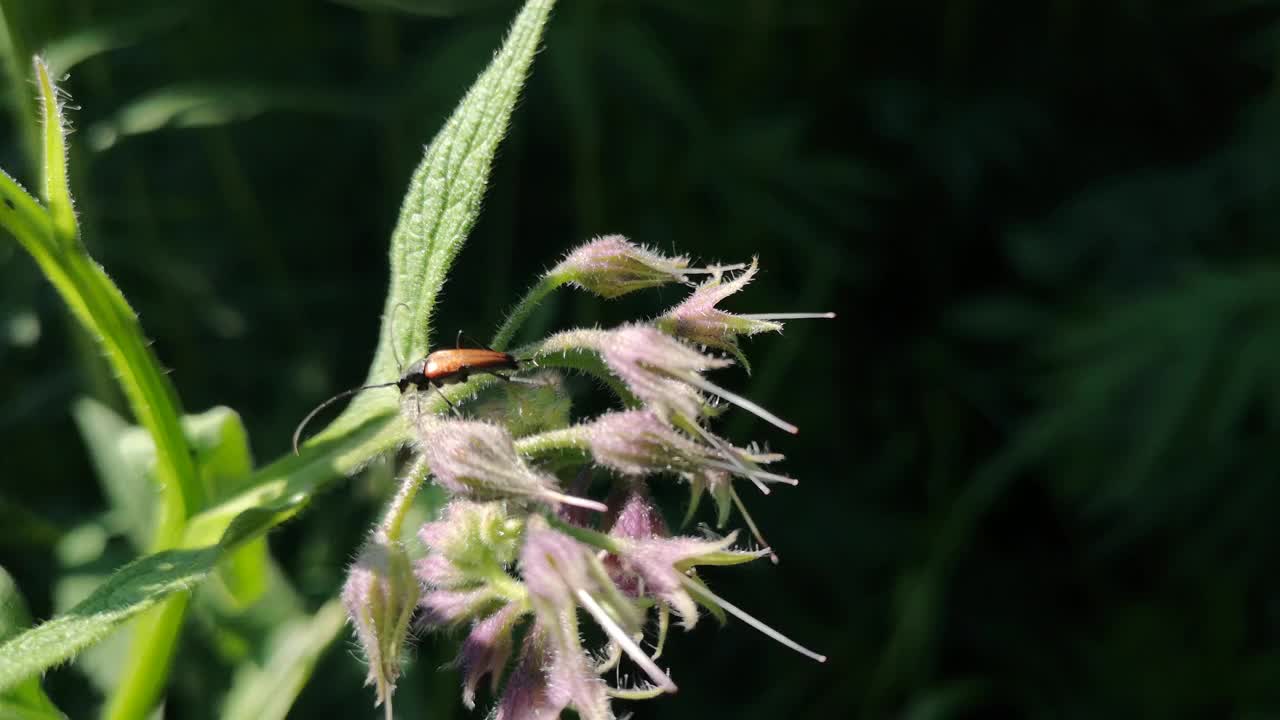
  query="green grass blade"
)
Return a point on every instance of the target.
[
  {"x": 50, "y": 238},
  {"x": 57, "y": 186},
  {"x": 268, "y": 691}
]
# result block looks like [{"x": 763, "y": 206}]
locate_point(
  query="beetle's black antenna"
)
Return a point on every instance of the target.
[
  {"x": 297, "y": 433},
  {"x": 462, "y": 335}
]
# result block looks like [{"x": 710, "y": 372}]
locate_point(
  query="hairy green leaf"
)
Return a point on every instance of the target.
[
  {"x": 27, "y": 699},
  {"x": 441, "y": 206}
]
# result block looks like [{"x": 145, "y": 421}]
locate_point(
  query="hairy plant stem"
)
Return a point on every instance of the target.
[
  {"x": 546, "y": 285},
  {"x": 584, "y": 535},
  {"x": 565, "y": 439},
  {"x": 392, "y": 523}
]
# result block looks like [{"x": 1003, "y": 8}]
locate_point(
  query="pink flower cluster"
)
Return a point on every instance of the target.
[{"x": 521, "y": 561}]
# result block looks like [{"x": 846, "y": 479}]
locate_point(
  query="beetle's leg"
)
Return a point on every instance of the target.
[
  {"x": 440, "y": 391},
  {"x": 519, "y": 381}
]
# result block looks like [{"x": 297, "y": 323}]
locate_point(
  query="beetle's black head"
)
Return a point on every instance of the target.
[{"x": 414, "y": 376}]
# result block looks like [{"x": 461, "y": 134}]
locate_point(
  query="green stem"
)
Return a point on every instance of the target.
[
  {"x": 155, "y": 637},
  {"x": 508, "y": 587},
  {"x": 392, "y": 523},
  {"x": 320, "y": 464},
  {"x": 587, "y": 362},
  {"x": 51, "y": 236},
  {"x": 530, "y": 302},
  {"x": 584, "y": 535},
  {"x": 570, "y": 438}
]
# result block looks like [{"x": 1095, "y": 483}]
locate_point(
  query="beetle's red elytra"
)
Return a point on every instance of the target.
[{"x": 444, "y": 367}]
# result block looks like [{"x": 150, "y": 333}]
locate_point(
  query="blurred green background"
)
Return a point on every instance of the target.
[{"x": 1039, "y": 447}]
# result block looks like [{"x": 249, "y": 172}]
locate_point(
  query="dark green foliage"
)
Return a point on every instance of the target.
[{"x": 1039, "y": 449}]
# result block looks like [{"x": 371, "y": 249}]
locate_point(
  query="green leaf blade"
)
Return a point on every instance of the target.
[
  {"x": 135, "y": 588},
  {"x": 57, "y": 186},
  {"x": 26, "y": 699},
  {"x": 444, "y": 195}
]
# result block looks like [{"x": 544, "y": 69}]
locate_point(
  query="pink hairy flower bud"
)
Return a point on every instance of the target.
[
  {"x": 610, "y": 266},
  {"x": 662, "y": 563},
  {"x": 553, "y": 565},
  {"x": 380, "y": 594},
  {"x": 655, "y": 366},
  {"x": 486, "y": 651},
  {"x": 698, "y": 320},
  {"x": 548, "y": 679},
  {"x": 443, "y": 607},
  {"x": 658, "y": 369},
  {"x": 561, "y": 573},
  {"x": 638, "y": 518},
  {"x": 479, "y": 459},
  {"x": 638, "y": 442}
]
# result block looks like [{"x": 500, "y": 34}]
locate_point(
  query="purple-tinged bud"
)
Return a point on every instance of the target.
[
  {"x": 655, "y": 366},
  {"x": 638, "y": 442},
  {"x": 561, "y": 573},
  {"x": 658, "y": 369},
  {"x": 442, "y": 607},
  {"x": 553, "y": 673},
  {"x": 638, "y": 518},
  {"x": 529, "y": 695},
  {"x": 486, "y": 651},
  {"x": 380, "y": 595},
  {"x": 662, "y": 563},
  {"x": 697, "y": 319},
  {"x": 611, "y": 266},
  {"x": 554, "y": 565},
  {"x": 478, "y": 459},
  {"x": 571, "y": 677}
]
